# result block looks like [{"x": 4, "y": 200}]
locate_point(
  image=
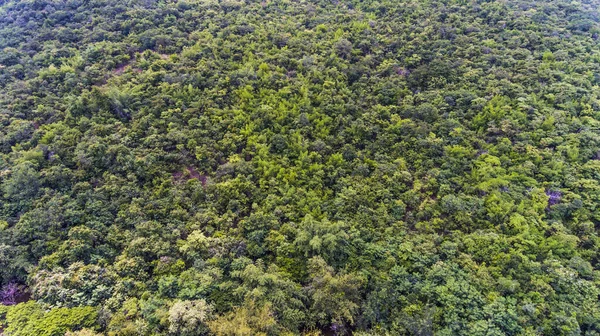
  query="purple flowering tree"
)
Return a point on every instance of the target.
[
  {"x": 554, "y": 197},
  {"x": 9, "y": 294}
]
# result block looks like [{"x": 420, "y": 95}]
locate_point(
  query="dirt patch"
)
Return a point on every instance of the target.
[
  {"x": 190, "y": 173},
  {"x": 120, "y": 69}
]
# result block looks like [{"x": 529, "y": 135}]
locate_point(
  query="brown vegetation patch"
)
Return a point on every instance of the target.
[{"x": 190, "y": 173}]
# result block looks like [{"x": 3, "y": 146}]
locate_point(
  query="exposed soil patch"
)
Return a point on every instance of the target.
[
  {"x": 121, "y": 68},
  {"x": 190, "y": 173}
]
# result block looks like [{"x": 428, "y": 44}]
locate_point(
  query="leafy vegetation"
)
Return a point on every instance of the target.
[{"x": 290, "y": 167}]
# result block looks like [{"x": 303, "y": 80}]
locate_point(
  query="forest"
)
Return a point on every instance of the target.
[{"x": 299, "y": 167}]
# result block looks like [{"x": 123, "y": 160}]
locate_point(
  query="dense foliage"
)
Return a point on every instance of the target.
[{"x": 193, "y": 167}]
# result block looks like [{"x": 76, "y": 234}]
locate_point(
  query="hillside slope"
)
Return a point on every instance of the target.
[{"x": 299, "y": 167}]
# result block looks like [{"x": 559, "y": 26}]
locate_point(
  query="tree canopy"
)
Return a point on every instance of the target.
[{"x": 283, "y": 167}]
